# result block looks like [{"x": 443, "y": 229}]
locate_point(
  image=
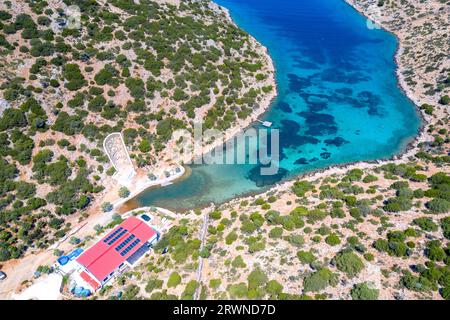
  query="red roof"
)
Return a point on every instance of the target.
[
  {"x": 92, "y": 282},
  {"x": 117, "y": 246}
]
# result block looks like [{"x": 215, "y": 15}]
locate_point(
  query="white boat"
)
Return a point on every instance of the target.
[{"x": 265, "y": 123}]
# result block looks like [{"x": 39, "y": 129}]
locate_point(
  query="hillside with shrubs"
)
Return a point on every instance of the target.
[{"x": 144, "y": 68}]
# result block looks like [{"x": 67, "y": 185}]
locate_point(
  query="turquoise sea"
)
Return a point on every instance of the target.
[{"x": 338, "y": 100}]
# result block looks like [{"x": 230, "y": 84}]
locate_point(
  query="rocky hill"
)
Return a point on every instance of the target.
[{"x": 74, "y": 71}]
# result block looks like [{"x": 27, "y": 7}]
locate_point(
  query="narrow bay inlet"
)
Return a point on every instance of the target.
[{"x": 338, "y": 102}]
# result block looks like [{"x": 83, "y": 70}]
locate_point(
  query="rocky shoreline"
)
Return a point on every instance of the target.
[{"x": 409, "y": 150}]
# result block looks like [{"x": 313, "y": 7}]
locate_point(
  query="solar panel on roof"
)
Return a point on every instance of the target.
[
  {"x": 124, "y": 242},
  {"x": 130, "y": 247},
  {"x": 138, "y": 253},
  {"x": 112, "y": 235},
  {"x": 117, "y": 237}
]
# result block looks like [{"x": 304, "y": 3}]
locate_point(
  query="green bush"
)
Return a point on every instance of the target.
[
  {"x": 428, "y": 109},
  {"x": 189, "y": 290},
  {"x": 445, "y": 293},
  {"x": 332, "y": 240},
  {"x": 348, "y": 262},
  {"x": 214, "y": 283},
  {"x": 316, "y": 215},
  {"x": 136, "y": 87},
  {"x": 306, "y": 257},
  {"x": 124, "y": 192},
  {"x": 301, "y": 187},
  {"x": 107, "y": 206},
  {"x": 238, "y": 291},
  {"x": 238, "y": 262},
  {"x": 319, "y": 280},
  {"x": 73, "y": 75},
  {"x": 248, "y": 227},
  {"x": 362, "y": 291},
  {"x": 12, "y": 118},
  {"x": 445, "y": 225},
  {"x": 107, "y": 75},
  {"x": 274, "y": 288},
  {"x": 369, "y": 256},
  {"x": 415, "y": 283},
  {"x": 370, "y": 178},
  {"x": 153, "y": 284},
  {"x": 231, "y": 237},
  {"x": 276, "y": 233},
  {"x": 145, "y": 146},
  {"x": 256, "y": 279},
  {"x": 295, "y": 240},
  {"x": 354, "y": 175},
  {"x": 439, "y": 205},
  {"x": 444, "y": 100},
  {"x": 174, "y": 280},
  {"x": 434, "y": 251},
  {"x": 398, "y": 204},
  {"x": 426, "y": 224},
  {"x": 216, "y": 215}
]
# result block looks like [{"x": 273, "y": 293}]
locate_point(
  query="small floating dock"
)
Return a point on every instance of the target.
[{"x": 265, "y": 123}]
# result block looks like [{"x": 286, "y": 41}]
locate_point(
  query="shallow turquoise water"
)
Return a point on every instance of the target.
[{"x": 338, "y": 100}]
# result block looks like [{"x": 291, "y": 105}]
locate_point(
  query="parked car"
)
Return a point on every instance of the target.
[{"x": 2, "y": 275}]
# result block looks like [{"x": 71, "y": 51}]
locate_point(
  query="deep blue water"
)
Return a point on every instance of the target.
[{"x": 338, "y": 100}]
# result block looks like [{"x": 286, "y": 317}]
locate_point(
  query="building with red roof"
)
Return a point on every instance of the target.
[
  {"x": 121, "y": 247},
  {"x": 89, "y": 280}
]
